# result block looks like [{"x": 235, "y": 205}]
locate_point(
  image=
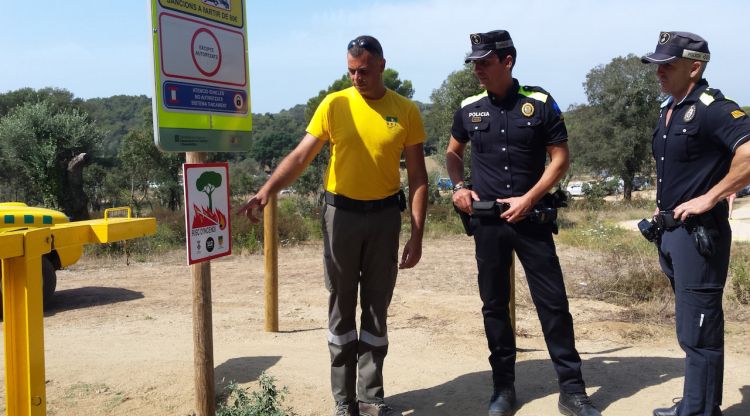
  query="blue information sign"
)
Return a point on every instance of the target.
[{"x": 195, "y": 97}]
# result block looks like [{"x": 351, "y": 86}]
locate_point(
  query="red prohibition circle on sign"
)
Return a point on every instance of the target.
[{"x": 218, "y": 48}]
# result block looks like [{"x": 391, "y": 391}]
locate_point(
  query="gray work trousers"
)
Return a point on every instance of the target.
[{"x": 360, "y": 252}]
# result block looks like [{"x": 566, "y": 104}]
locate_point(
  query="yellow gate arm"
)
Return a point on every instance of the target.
[{"x": 23, "y": 328}]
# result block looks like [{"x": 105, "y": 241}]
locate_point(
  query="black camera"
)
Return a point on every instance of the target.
[{"x": 649, "y": 229}]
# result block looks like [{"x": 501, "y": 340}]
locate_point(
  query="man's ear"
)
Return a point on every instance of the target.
[
  {"x": 695, "y": 69},
  {"x": 382, "y": 65},
  {"x": 508, "y": 62}
]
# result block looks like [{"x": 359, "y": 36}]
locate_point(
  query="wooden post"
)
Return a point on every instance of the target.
[
  {"x": 512, "y": 303},
  {"x": 271, "y": 255},
  {"x": 203, "y": 343}
]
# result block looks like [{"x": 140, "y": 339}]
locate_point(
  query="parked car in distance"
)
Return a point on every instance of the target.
[
  {"x": 575, "y": 188},
  {"x": 444, "y": 184}
]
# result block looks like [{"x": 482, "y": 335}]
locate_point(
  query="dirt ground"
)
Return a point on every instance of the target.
[{"x": 118, "y": 340}]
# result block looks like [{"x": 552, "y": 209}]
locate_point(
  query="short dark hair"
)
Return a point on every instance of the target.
[
  {"x": 364, "y": 43},
  {"x": 502, "y": 53}
]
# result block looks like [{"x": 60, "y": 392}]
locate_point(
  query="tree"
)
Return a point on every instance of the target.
[
  {"x": 207, "y": 183},
  {"x": 143, "y": 168},
  {"x": 118, "y": 115},
  {"x": 445, "y": 101},
  {"x": 274, "y": 136},
  {"x": 58, "y": 99},
  {"x": 44, "y": 148},
  {"x": 246, "y": 176},
  {"x": 613, "y": 132}
]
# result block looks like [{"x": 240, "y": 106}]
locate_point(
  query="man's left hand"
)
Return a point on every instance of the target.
[
  {"x": 412, "y": 254},
  {"x": 695, "y": 206},
  {"x": 520, "y": 206}
]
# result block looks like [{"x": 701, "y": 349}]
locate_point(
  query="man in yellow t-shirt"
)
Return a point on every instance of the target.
[{"x": 368, "y": 128}]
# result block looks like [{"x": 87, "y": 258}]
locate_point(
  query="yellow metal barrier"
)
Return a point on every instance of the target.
[{"x": 23, "y": 328}]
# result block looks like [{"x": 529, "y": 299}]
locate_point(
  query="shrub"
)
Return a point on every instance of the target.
[{"x": 268, "y": 401}]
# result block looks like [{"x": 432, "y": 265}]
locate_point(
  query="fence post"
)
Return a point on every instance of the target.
[{"x": 271, "y": 258}]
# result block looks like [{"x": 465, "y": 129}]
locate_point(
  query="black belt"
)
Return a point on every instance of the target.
[
  {"x": 665, "y": 220},
  {"x": 342, "y": 202}
]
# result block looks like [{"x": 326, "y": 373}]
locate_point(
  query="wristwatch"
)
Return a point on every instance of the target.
[{"x": 461, "y": 185}]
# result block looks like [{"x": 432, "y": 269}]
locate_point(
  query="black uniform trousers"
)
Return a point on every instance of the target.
[
  {"x": 698, "y": 284},
  {"x": 495, "y": 241}
]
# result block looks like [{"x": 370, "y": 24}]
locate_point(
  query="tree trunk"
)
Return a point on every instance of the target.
[{"x": 75, "y": 202}]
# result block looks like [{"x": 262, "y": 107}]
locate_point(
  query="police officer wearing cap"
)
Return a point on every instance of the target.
[
  {"x": 512, "y": 129},
  {"x": 702, "y": 155}
]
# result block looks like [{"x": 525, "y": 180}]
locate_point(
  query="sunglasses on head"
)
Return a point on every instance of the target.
[{"x": 364, "y": 44}]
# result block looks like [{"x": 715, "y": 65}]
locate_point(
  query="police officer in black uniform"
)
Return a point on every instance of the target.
[
  {"x": 702, "y": 156},
  {"x": 512, "y": 129}
]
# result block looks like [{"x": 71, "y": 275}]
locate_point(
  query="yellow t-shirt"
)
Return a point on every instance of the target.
[{"x": 366, "y": 138}]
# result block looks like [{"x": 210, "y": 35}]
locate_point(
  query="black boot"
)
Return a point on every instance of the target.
[
  {"x": 503, "y": 401},
  {"x": 576, "y": 404},
  {"x": 667, "y": 411}
]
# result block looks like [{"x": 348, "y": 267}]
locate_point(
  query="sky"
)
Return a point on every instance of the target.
[{"x": 100, "y": 48}]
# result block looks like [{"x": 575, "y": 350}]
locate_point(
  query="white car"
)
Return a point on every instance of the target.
[{"x": 575, "y": 188}]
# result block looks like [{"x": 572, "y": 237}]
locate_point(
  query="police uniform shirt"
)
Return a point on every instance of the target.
[
  {"x": 509, "y": 136},
  {"x": 695, "y": 150}
]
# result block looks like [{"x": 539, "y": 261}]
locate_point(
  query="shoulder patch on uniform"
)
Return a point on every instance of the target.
[
  {"x": 738, "y": 113},
  {"x": 707, "y": 98},
  {"x": 473, "y": 99},
  {"x": 533, "y": 93}
]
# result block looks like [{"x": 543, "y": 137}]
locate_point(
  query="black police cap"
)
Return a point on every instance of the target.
[
  {"x": 675, "y": 45},
  {"x": 483, "y": 44}
]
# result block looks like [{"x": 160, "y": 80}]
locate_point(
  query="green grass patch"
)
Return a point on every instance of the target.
[{"x": 632, "y": 273}]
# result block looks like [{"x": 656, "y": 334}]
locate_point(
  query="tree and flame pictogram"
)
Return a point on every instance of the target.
[{"x": 206, "y": 217}]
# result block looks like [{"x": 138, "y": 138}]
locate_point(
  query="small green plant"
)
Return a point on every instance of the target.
[
  {"x": 740, "y": 273},
  {"x": 267, "y": 401}
]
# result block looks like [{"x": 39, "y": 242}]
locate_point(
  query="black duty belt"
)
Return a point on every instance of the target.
[
  {"x": 342, "y": 202},
  {"x": 665, "y": 220}
]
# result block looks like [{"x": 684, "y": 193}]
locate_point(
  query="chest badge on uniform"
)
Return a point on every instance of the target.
[
  {"x": 689, "y": 114},
  {"x": 391, "y": 121},
  {"x": 527, "y": 109},
  {"x": 476, "y": 119}
]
